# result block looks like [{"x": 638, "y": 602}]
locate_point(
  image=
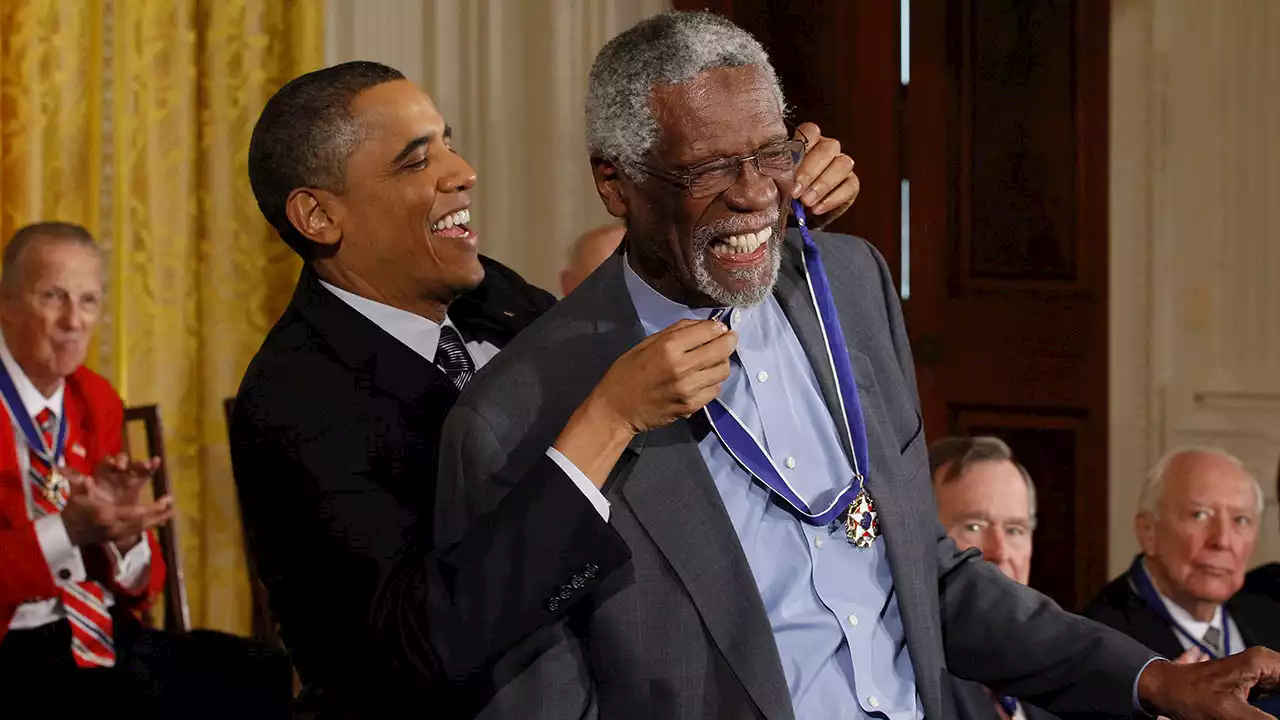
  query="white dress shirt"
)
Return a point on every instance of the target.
[
  {"x": 422, "y": 336},
  {"x": 1198, "y": 627},
  {"x": 62, "y": 557}
]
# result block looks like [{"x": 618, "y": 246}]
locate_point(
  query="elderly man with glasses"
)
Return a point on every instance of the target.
[{"x": 786, "y": 557}]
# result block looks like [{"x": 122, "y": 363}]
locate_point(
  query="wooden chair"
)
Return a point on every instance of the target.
[
  {"x": 177, "y": 615},
  {"x": 264, "y": 625}
]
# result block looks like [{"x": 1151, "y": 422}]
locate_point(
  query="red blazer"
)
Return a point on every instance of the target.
[{"x": 95, "y": 430}]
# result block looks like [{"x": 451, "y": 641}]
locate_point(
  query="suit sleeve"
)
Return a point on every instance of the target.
[
  {"x": 543, "y": 547},
  {"x": 320, "y": 513},
  {"x": 1008, "y": 636}
]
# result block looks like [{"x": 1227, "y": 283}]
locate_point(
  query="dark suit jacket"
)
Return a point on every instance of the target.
[
  {"x": 334, "y": 444},
  {"x": 682, "y": 633},
  {"x": 974, "y": 702},
  {"x": 1119, "y": 606},
  {"x": 1264, "y": 580}
]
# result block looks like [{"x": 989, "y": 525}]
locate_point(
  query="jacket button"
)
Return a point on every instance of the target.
[
  {"x": 590, "y": 571},
  {"x": 65, "y": 574},
  {"x": 565, "y": 592},
  {"x": 577, "y": 582},
  {"x": 553, "y": 604}
]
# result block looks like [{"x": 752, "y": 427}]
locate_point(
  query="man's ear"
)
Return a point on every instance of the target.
[
  {"x": 1144, "y": 526},
  {"x": 315, "y": 214},
  {"x": 609, "y": 183}
]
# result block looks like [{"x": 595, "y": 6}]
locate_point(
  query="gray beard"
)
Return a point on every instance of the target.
[{"x": 760, "y": 280}]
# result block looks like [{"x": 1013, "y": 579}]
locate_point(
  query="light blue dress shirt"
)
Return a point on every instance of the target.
[{"x": 831, "y": 606}]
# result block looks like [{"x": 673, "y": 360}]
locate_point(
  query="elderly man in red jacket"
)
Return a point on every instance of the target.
[{"x": 77, "y": 557}]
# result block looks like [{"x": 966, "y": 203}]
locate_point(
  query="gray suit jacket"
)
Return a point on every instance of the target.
[{"x": 682, "y": 632}]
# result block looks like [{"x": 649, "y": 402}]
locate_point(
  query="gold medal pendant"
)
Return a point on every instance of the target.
[
  {"x": 55, "y": 489},
  {"x": 861, "y": 521}
]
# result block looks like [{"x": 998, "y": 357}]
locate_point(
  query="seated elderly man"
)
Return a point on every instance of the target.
[
  {"x": 986, "y": 500},
  {"x": 1197, "y": 524}
]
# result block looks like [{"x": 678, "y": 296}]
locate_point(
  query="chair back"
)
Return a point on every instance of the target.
[
  {"x": 264, "y": 625},
  {"x": 177, "y": 615}
]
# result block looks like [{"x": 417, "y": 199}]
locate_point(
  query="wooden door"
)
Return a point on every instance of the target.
[{"x": 994, "y": 142}]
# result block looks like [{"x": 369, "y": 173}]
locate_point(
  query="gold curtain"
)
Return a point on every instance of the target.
[{"x": 133, "y": 118}]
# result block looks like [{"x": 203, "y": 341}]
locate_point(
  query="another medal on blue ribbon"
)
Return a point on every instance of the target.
[{"x": 852, "y": 506}]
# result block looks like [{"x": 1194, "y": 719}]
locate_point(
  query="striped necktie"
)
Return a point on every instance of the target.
[
  {"x": 85, "y": 602},
  {"x": 452, "y": 357}
]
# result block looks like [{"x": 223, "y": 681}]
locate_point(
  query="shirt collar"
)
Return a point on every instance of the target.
[
  {"x": 657, "y": 311},
  {"x": 1185, "y": 619},
  {"x": 419, "y": 334},
  {"x": 32, "y": 399}
]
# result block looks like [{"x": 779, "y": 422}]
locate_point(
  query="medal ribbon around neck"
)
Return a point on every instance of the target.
[
  {"x": 1147, "y": 591},
  {"x": 751, "y": 454},
  {"x": 35, "y": 438}
]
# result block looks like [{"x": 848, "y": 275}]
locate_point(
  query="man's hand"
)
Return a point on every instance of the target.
[
  {"x": 671, "y": 374},
  {"x": 1215, "y": 690},
  {"x": 825, "y": 183},
  {"x": 124, "y": 479},
  {"x": 92, "y": 514}
]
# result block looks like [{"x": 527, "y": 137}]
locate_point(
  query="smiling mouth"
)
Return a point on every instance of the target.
[
  {"x": 453, "y": 225},
  {"x": 743, "y": 246}
]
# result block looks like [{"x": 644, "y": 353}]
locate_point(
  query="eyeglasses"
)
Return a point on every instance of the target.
[{"x": 775, "y": 160}]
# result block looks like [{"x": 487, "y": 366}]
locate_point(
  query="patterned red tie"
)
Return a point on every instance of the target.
[{"x": 84, "y": 602}]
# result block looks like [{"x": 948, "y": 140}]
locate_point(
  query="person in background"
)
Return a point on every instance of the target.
[
  {"x": 336, "y": 426},
  {"x": 589, "y": 250},
  {"x": 786, "y": 558},
  {"x": 986, "y": 500},
  {"x": 1265, "y": 579},
  {"x": 78, "y": 559},
  {"x": 1197, "y": 524}
]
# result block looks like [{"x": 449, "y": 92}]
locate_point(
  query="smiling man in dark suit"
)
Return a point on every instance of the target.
[
  {"x": 786, "y": 556},
  {"x": 335, "y": 429}
]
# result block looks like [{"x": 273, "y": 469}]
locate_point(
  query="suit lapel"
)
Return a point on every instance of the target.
[
  {"x": 667, "y": 487},
  {"x": 368, "y": 349},
  {"x": 674, "y": 498},
  {"x": 886, "y": 480},
  {"x": 792, "y": 293}
]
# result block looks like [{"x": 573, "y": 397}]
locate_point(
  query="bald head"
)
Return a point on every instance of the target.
[
  {"x": 588, "y": 253},
  {"x": 1198, "y": 525}
]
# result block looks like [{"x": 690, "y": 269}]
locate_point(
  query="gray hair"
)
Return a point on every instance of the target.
[
  {"x": 1153, "y": 489},
  {"x": 666, "y": 49},
  {"x": 963, "y": 452},
  {"x": 28, "y": 235}
]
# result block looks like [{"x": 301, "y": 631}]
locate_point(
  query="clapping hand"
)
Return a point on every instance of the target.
[{"x": 108, "y": 506}]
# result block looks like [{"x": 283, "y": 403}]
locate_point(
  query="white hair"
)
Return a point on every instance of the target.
[
  {"x": 1153, "y": 489},
  {"x": 670, "y": 48}
]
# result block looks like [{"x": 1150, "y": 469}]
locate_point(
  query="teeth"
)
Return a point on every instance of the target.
[
  {"x": 742, "y": 244},
  {"x": 462, "y": 217}
]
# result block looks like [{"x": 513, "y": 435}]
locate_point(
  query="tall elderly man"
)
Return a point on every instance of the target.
[
  {"x": 1197, "y": 525},
  {"x": 986, "y": 500},
  {"x": 336, "y": 426},
  {"x": 786, "y": 557}
]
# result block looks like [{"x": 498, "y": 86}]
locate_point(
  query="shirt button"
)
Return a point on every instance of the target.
[
  {"x": 65, "y": 574},
  {"x": 873, "y": 702},
  {"x": 762, "y": 376},
  {"x": 853, "y": 622},
  {"x": 791, "y": 463},
  {"x": 817, "y": 541}
]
